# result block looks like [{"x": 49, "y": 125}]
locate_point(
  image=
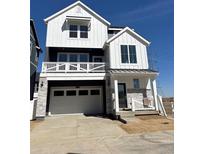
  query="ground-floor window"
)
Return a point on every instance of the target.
[{"x": 136, "y": 83}]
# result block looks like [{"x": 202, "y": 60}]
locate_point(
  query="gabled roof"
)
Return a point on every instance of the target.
[
  {"x": 73, "y": 5},
  {"x": 127, "y": 29}
]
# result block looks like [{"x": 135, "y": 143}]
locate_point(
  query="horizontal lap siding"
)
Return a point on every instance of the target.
[
  {"x": 115, "y": 53},
  {"x": 58, "y": 35}
]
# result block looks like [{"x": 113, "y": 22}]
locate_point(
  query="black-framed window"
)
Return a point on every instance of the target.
[
  {"x": 58, "y": 93},
  {"x": 83, "y": 92},
  {"x": 95, "y": 92},
  {"x": 71, "y": 93},
  {"x": 128, "y": 54},
  {"x": 83, "y": 31},
  {"x": 133, "y": 56},
  {"x": 136, "y": 83},
  {"x": 73, "y": 31},
  {"x": 124, "y": 54}
]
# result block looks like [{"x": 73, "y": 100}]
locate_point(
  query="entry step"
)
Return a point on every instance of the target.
[{"x": 135, "y": 113}]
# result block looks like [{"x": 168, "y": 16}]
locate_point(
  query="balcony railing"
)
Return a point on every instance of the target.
[{"x": 66, "y": 67}]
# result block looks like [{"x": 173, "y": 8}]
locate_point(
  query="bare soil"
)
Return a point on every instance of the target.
[{"x": 144, "y": 124}]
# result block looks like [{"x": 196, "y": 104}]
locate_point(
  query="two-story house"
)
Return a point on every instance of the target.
[{"x": 92, "y": 67}]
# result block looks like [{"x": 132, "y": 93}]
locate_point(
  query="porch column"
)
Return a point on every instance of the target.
[
  {"x": 116, "y": 96},
  {"x": 154, "y": 90}
]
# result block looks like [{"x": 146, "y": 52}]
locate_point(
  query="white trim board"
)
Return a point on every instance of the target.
[
  {"x": 127, "y": 29},
  {"x": 73, "y": 5}
]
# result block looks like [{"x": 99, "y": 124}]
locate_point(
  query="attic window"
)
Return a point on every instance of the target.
[
  {"x": 83, "y": 31},
  {"x": 73, "y": 31}
]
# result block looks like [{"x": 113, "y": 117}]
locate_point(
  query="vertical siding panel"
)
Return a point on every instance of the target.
[
  {"x": 144, "y": 57},
  {"x": 126, "y": 38},
  {"x": 57, "y": 37}
]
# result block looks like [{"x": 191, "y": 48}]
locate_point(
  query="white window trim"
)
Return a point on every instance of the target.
[
  {"x": 73, "y": 31},
  {"x": 128, "y": 50},
  {"x": 68, "y": 56},
  {"x": 78, "y": 31}
]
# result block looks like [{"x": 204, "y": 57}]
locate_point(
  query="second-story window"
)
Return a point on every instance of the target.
[
  {"x": 83, "y": 31},
  {"x": 128, "y": 54},
  {"x": 73, "y": 31},
  {"x": 124, "y": 54},
  {"x": 132, "y": 52}
]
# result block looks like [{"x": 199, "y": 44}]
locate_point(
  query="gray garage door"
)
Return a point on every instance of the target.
[{"x": 70, "y": 100}]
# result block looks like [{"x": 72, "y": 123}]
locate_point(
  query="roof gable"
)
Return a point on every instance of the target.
[
  {"x": 73, "y": 5},
  {"x": 127, "y": 29}
]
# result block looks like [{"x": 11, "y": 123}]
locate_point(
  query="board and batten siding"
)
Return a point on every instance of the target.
[
  {"x": 115, "y": 53},
  {"x": 58, "y": 31}
]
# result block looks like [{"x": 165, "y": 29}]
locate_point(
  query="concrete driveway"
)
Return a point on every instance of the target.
[{"x": 93, "y": 135}]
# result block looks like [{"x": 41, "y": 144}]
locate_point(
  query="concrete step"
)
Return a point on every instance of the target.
[
  {"x": 140, "y": 112},
  {"x": 127, "y": 116}
]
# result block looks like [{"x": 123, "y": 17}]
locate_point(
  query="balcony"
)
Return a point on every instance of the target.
[{"x": 73, "y": 67}]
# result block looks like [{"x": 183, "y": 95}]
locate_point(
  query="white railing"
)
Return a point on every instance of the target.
[{"x": 65, "y": 67}]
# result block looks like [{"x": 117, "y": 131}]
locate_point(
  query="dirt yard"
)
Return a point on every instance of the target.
[{"x": 144, "y": 124}]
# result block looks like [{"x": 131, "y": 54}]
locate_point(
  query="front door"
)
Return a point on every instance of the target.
[{"x": 122, "y": 95}]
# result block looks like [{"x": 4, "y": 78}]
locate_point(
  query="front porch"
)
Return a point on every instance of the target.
[{"x": 134, "y": 92}]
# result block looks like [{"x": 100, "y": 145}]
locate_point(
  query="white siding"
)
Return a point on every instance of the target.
[
  {"x": 56, "y": 37},
  {"x": 115, "y": 53}
]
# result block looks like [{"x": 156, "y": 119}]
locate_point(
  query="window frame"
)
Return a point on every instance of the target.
[
  {"x": 73, "y": 30},
  {"x": 137, "y": 88},
  {"x": 78, "y": 31},
  {"x": 128, "y": 54},
  {"x": 132, "y": 54},
  {"x": 81, "y": 31}
]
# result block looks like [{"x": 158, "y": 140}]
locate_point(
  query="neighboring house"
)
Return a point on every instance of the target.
[
  {"x": 34, "y": 55},
  {"x": 92, "y": 67}
]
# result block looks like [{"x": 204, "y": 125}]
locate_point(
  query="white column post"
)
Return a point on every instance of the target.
[
  {"x": 154, "y": 90},
  {"x": 116, "y": 96}
]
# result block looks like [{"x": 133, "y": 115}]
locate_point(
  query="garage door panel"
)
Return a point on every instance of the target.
[{"x": 89, "y": 102}]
